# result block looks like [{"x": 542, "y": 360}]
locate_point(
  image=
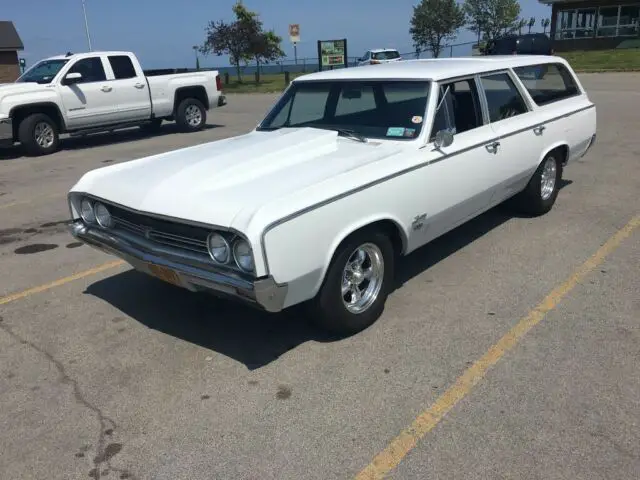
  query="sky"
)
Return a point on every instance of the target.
[{"x": 162, "y": 32}]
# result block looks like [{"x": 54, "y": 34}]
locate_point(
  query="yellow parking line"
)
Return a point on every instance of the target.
[
  {"x": 48, "y": 286},
  {"x": 392, "y": 455}
]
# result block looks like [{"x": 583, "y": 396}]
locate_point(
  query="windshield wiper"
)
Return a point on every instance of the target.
[{"x": 351, "y": 134}]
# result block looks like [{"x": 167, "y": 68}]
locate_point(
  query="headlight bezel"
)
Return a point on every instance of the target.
[
  {"x": 226, "y": 245},
  {"x": 92, "y": 220},
  {"x": 241, "y": 242},
  {"x": 107, "y": 224}
]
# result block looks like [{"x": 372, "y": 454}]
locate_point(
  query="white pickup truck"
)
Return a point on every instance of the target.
[{"x": 100, "y": 91}]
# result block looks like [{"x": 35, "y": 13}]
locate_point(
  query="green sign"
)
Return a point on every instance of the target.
[
  {"x": 332, "y": 53},
  {"x": 23, "y": 62}
]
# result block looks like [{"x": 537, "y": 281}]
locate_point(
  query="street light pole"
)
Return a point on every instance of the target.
[
  {"x": 195, "y": 49},
  {"x": 86, "y": 24}
]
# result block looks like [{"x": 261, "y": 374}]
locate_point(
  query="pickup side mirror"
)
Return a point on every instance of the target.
[
  {"x": 71, "y": 78},
  {"x": 444, "y": 138}
]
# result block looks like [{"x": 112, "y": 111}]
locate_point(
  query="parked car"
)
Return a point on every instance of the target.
[
  {"x": 525, "y": 44},
  {"x": 350, "y": 170},
  {"x": 378, "y": 56},
  {"x": 96, "y": 92}
]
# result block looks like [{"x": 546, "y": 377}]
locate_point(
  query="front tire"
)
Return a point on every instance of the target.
[
  {"x": 38, "y": 135},
  {"x": 542, "y": 190},
  {"x": 191, "y": 115},
  {"x": 357, "y": 284}
]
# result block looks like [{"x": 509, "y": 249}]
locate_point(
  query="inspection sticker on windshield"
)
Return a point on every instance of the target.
[
  {"x": 416, "y": 119},
  {"x": 409, "y": 132},
  {"x": 395, "y": 131}
]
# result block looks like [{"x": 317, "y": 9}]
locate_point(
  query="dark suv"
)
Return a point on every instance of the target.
[{"x": 527, "y": 44}]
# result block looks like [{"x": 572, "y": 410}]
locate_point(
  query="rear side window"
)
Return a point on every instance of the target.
[
  {"x": 387, "y": 55},
  {"x": 548, "y": 82},
  {"x": 122, "y": 67},
  {"x": 503, "y": 98}
]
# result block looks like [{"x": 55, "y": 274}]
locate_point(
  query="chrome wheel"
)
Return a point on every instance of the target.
[
  {"x": 193, "y": 115},
  {"x": 44, "y": 134},
  {"x": 548, "y": 178},
  {"x": 362, "y": 278}
]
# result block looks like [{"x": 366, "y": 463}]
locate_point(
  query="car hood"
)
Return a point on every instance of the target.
[
  {"x": 217, "y": 182},
  {"x": 11, "y": 88}
]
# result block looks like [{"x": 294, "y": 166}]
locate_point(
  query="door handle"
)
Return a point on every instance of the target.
[
  {"x": 539, "y": 129},
  {"x": 106, "y": 88},
  {"x": 139, "y": 85},
  {"x": 492, "y": 147}
]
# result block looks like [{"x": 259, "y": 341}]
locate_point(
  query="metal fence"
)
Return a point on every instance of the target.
[{"x": 310, "y": 64}]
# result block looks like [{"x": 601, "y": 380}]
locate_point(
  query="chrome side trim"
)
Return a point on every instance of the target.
[
  {"x": 366, "y": 186},
  {"x": 194, "y": 271}
]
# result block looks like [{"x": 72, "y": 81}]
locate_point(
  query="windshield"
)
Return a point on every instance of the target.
[
  {"x": 386, "y": 55},
  {"x": 391, "y": 109},
  {"x": 42, "y": 72}
]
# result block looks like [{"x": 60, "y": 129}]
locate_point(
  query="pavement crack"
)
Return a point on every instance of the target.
[{"x": 104, "y": 452}]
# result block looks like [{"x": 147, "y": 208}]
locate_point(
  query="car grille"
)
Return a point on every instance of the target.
[{"x": 163, "y": 232}]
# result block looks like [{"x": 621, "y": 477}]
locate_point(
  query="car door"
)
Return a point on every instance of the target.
[
  {"x": 131, "y": 89},
  {"x": 517, "y": 128},
  {"x": 460, "y": 179},
  {"x": 89, "y": 101}
]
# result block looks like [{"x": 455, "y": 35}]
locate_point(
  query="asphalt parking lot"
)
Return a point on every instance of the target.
[{"x": 511, "y": 348}]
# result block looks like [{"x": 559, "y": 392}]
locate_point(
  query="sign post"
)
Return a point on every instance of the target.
[
  {"x": 332, "y": 53},
  {"x": 294, "y": 37}
]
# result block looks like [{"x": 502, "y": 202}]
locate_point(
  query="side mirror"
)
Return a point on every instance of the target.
[
  {"x": 444, "y": 138},
  {"x": 72, "y": 78}
]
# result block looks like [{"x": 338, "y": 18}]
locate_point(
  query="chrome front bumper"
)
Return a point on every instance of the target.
[
  {"x": 193, "y": 272},
  {"x": 6, "y": 131}
]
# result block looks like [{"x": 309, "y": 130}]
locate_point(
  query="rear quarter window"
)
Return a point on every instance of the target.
[{"x": 548, "y": 82}]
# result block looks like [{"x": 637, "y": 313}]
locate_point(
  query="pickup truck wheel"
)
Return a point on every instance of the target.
[
  {"x": 191, "y": 115},
  {"x": 542, "y": 190},
  {"x": 356, "y": 285},
  {"x": 38, "y": 134}
]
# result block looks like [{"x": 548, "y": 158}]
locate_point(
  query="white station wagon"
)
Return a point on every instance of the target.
[{"x": 349, "y": 170}]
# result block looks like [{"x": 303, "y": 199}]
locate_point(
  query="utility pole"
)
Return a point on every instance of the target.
[
  {"x": 195, "y": 49},
  {"x": 86, "y": 24}
]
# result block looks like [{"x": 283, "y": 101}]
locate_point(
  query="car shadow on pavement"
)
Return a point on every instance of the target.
[
  {"x": 104, "y": 138},
  {"x": 247, "y": 335}
]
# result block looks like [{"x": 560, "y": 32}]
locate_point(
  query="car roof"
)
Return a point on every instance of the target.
[
  {"x": 76, "y": 56},
  {"x": 433, "y": 68},
  {"x": 378, "y": 50}
]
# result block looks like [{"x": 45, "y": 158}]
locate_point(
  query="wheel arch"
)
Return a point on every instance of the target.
[
  {"x": 198, "y": 92},
  {"x": 20, "y": 112},
  {"x": 561, "y": 147},
  {"x": 387, "y": 224}
]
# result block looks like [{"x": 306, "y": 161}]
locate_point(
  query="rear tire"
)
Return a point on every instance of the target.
[
  {"x": 191, "y": 115},
  {"x": 38, "y": 135},
  {"x": 542, "y": 190},
  {"x": 364, "y": 262}
]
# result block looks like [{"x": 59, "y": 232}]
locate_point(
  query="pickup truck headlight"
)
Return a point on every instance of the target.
[
  {"x": 86, "y": 211},
  {"x": 102, "y": 215},
  {"x": 218, "y": 247},
  {"x": 243, "y": 255}
]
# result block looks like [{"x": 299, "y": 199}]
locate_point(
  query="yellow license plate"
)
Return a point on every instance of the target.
[{"x": 164, "y": 273}]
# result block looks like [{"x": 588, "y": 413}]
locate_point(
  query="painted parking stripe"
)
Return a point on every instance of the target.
[
  {"x": 57, "y": 283},
  {"x": 392, "y": 455}
]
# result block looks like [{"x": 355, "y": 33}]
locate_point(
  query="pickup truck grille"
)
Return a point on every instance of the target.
[{"x": 163, "y": 232}]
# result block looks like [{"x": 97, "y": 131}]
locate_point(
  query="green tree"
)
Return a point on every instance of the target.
[
  {"x": 230, "y": 39},
  {"x": 263, "y": 46},
  {"x": 434, "y": 22},
  {"x": 491, "y": 18}
]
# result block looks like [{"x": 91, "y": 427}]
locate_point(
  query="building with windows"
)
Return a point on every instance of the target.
[
  {"x": 594, "y": 24},
  {"x": 10, "y": 45}
]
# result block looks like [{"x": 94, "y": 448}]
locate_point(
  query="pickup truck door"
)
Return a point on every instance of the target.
[
  {"x": 88, "y": 101},
  {"x": 519, "y": 133},
  {"x": 131, "y": 88}
]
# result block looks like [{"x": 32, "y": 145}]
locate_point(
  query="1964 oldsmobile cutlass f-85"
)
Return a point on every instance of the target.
[{"x": 349, "y": 170}]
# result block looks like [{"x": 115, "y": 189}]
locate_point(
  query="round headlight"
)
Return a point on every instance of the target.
[
  {"x": 102, "y": 215},
  {"x": 86, "y": 211},
  {"x": 218, "y": 248},
  {"x": 243, "y": 255}
]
